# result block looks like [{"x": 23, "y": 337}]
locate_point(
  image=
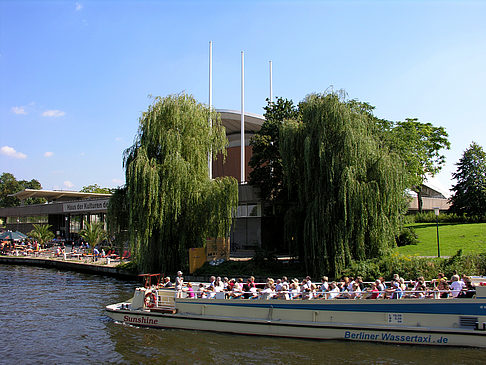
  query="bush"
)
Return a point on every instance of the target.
[
  {"x": 429, "y": 217},
  {"x": 407, "y": 237},
  {"x": 411, "y": 267}
]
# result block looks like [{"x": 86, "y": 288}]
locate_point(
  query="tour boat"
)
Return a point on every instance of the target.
[{"x": 445, "y": 321}]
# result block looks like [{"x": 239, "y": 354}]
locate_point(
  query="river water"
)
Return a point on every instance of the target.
[{"x": 49, "y": 316}]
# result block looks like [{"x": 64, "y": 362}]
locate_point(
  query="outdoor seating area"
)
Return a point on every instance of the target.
[{"x": 18, "y": 244}]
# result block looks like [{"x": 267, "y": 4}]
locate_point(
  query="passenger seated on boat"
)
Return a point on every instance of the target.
[
  {"x": 333, "y": 291},
  {"x": 394, "y": 291},
  {"x": 469, "y": 290},
  {"x": 284, "y": 292},
  {"x": 435, "y": 282},
  {"x": 324, "y": 284},
  {"x": 456, "y": 286},
  {"x": 189, "y": 291},
  {"x": 375, "y": 293},
  {"x": 167, "y": 283},
  {"x": 231, "y": 285},
  {"x": 381, "y": 286},
  {"x": 294, "y": 290},
  {"x": 355, "y": 292},
  {"x": 218, "y": 285},
  {"x": 419, "y": 291},
  {"x": 306, "y": 294},
  {"x": 201, "y": 291},
  {"x": 246, "y": 290},
  {"x": 343, "y": 291},
  {"x": 237, "y": 289},
  {"x": 267, "y": 292},
  {"x": 441, "y": 289},
  {"x": 211, "y": 292}
]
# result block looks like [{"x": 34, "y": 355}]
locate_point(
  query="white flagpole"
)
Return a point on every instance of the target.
[
  {"x": 242, "y": 132},
  {"x": 210, "y": 158},
  {"x": 271, "y": 87}
]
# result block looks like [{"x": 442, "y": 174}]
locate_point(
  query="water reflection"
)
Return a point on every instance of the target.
[{"x": 51, "y": 316}]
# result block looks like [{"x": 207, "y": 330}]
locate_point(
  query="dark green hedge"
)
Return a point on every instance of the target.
[{"x": 410, "y": 267}]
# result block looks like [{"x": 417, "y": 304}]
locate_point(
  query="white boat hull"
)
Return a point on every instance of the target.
[{"x": 414, "y": 322}]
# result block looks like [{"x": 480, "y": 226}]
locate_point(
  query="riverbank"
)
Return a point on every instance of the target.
[
  {"x": 98, "y": 267},
  {"x": 91, "y": 268}
]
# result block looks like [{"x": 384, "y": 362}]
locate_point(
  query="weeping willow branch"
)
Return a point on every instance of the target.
[
  {"x": 172, "y": 203},
  {"x": 349, "y": 188}
]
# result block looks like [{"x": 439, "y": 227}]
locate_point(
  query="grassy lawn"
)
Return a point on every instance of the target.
[{"x": 471, "y": 238}]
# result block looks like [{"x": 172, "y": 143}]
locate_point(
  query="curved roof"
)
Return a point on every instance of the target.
[
  {"x": 231, "y": 120},
  {"x": 57, "y": 195}
]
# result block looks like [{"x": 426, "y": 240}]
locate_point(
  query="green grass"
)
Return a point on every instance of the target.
[{"x": 471, "y": 238}]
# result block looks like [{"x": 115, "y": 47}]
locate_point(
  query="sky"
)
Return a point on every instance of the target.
[{"x": 76, "y": 76}]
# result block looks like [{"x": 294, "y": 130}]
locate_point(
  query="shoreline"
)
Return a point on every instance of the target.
[
  {"x": 87, "y": 268},
  {"x": 70, "y": 266}
]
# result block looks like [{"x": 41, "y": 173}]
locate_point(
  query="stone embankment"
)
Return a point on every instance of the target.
[{"x": 91, "y": 268}]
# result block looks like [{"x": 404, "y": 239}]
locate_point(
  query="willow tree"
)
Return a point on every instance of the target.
[
  {"x": 172, "y": 203},
  {"x": 350, "y": 189}
]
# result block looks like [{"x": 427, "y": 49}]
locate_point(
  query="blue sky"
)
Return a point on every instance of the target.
[{"x": 76, "y": 76}]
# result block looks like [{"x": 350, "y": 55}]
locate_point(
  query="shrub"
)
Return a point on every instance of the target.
[
  {"x": 411, "y": 267},
  {"x": 407, "y": 237},
  {"x": 429, "y": 217}
]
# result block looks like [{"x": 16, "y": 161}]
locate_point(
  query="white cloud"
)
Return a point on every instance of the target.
[
  {"x": 117, "y": 181},
  {"x": 53, "y": 113},
  {"x": 10, "y": 152},
  {"x": 79, "y": 6},
  {"x": 18, "y": 110},
  {"x": 118, "y": 139},
  {"x": 68, "y": 184},
  {"x": 48, "y": 154},
  {"x": 82, "y": 154}
]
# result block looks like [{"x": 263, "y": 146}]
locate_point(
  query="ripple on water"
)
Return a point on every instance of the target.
[{"x": 57, "y": 317}]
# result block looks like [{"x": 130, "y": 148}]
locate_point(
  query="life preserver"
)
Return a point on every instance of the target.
[{"x": 150, "y": 300}]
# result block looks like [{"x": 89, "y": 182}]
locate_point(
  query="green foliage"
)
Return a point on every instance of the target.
[
  {"x": 95, "y": 188},
  {"x": 263, "y": 269},
  {"x": 93, "y": 233},
  {"x": 470, "y": 191},
  {"x": 41, "y": 233},
  {"x": 430, "y": 217},
  {"x": 407, "y": 237},
  {"x": 10, "y": 185},
  {"x": 350, "y": 190},
  {"x": 419, "y": 145},
  {"x": 172, "y": 203},
  {"x": 117, "y": 218},
  {"x": 266, "y": 161},
  {"x": 130, "y": 266},
  {"x": 411, "y": 267}
]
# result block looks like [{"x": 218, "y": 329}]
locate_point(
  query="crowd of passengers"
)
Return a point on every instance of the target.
[{"x": 346, "y": 288}]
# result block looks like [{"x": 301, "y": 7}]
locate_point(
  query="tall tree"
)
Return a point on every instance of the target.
[
  {"x": 266, "y": 160},
  {"x": 95, "y": 188},
  {"x": 420, "y": 146},
  {"x": 117, "y": 217},
  {"x": 10, "y": 185},
  {"x": 173, "y": 205},
  {"x": 350, "y": 189},
  {"x": 470, "y": 191}
]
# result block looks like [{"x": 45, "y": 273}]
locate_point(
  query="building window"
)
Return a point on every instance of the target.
[
  {"x": 75, "y": 223},
  {"x": 249, "y": 210},
  {"x": 34, "y": 219}
]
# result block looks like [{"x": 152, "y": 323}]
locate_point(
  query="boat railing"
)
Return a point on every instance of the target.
[{"x": 327, "y": 295}]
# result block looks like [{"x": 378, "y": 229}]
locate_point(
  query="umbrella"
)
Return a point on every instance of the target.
[{"x": 15, "y": 236}]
